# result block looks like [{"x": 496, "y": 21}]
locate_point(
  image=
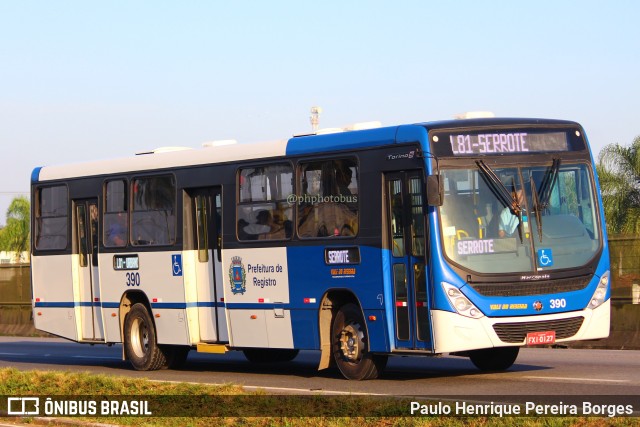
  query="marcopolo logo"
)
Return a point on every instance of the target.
[
  {"x": 398, "y": 156},
  {"x": 292, "y": 199}
]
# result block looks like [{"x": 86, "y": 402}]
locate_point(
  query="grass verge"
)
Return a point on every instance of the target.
[{"x": 177, "y": 401}]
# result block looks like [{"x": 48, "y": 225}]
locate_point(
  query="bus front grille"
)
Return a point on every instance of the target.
[
  {"x": 532, "y": 288},
  {"x": 517, "y": 332}
]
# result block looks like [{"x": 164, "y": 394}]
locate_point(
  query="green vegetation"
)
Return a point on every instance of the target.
[
  {"x": 174, "y": 396},
  {"x": 619, "y": 173},
  {"x": 14, "y": 237}
]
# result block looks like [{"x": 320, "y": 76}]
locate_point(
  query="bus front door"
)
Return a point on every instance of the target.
[
  {"x": 85, "y": 265},
  {"x": 406, "y": 235},
  {"x": 204, "y": 207}
]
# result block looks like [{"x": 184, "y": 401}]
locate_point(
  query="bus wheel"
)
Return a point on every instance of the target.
[
  {"x": 349, "y": 346},
  {"x": 175, "y": 355},
  {"x": 140, "y": 344},
  {"x": 494, "y": 359},
  {"x": 270, "y": 355}
]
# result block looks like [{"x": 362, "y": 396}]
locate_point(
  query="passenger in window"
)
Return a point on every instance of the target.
[
  {"x": 343, "y": 180},
  {"x": 117, "y": 232},
  {"x": 508, "y": 221},
  {"x": 288, "y": 228},
  {"x": 263, "y": 223},
  {"x": 242, "y": 234}
]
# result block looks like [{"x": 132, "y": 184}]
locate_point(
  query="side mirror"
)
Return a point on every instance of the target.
[{"x": 435, "y": 190}]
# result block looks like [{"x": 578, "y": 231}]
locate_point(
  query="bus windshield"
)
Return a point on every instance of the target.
[{"x": 520, "y": 219}]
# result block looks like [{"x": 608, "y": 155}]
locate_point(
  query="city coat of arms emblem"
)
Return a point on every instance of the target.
[{"x": 237, "y": 276}]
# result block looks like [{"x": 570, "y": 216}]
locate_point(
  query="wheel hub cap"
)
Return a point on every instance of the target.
[{"x": 351, "y": 342}]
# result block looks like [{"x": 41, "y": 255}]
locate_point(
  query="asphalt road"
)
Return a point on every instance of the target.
[{"x": 537, "y": 371}]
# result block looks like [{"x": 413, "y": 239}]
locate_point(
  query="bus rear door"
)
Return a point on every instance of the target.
[
  {"x": 205, "y": 212},
  {"x": 86, "y": 278},
  {"x": 406, "y": 232}
]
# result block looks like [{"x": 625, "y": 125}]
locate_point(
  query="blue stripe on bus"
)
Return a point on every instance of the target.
[
  {"x": 257, "y": 306},
  {"x": 66, "y": 304},
  {"x": 178, "y": 305},
  {"x": 183, "y": 305},
  {"x": 89, "y": 304},
  {"x": 110, "y": 305},
  {"x": 55, "y": 304},
  {"x": 174, "y": 305},
  {"x": 211, "y": 304}
]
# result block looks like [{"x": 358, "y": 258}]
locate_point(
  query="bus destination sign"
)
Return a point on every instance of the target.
[
  {"x": 507, "y": 143},
  {"x": 349, "y": 255},
  {"x": 125, "y": 262}
]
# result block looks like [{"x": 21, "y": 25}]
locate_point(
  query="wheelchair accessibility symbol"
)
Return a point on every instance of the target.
[
  {"x": 176, "y": 264},
  {"x": 545, "y": 258}
]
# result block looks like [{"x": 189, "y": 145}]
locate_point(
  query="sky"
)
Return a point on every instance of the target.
[{"x": 87, "y": 80}]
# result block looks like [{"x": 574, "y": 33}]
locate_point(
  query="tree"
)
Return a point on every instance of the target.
[
  {"x": 14, "y": 237},
  {"x": 619, "y": 173}
]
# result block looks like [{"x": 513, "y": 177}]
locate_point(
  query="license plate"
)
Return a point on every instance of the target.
[{"x": 541, "y": 338}]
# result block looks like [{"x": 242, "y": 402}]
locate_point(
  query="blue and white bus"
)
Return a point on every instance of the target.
[{"x": 467, "y": 237}]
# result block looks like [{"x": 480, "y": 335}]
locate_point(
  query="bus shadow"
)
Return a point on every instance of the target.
[
  {"x": 85, "y": 357},
  {"x": 304, "y": 366}
]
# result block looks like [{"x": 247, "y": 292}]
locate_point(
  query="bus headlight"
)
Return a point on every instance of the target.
[
  {"x": 460, "y": 302},
  {"x": 601, "y": 291}
]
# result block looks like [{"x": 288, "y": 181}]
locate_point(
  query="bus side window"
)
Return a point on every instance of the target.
[
  {"x": 328, "y": 203},
  {"x": 116, "y": 216},
  {"x": 153, "y": 220},
  {"x": 264, "y": 211},
  {"x": 52, "y": 218}
]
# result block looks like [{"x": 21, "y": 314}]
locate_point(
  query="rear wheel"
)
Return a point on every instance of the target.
[
  {"x": 270, "y": 355},
  {"x": 494, "y": 359},
  {"x": 350, "y": 348},
  {"x": 140, "y": 345}
]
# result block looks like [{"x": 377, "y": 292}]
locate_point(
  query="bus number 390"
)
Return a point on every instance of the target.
[
  {"x": 558, "y": 303},
  {"x": 133, "y": 279}
]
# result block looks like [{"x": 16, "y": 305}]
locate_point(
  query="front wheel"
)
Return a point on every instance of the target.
[
  {"x": 494, "y": 359},
  {"x": 350, "y": 348},
  {"x": 140, "y": 345}
]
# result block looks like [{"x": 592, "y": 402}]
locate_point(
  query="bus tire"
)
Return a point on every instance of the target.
[
  {"x": 350, "y": 348},
  {"x": 270, "y": 355},
  {"x": 175, "y": 355},
  {"x": 494, "y": 359},
  {"x": 140, "y": 344}
]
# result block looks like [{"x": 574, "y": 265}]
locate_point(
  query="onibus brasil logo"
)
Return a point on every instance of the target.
[{"x": 237, "y": 276}]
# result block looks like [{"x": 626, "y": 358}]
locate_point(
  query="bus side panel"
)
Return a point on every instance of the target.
[
  {"x": 306, "y": 335},
  {"x": 171, "y": 324},
  {"x": 313, "y": 276},
  {"x": 256, "y": 294},
  {"x": 248, "y": 328},
  {"x": 53, "y": 295},
  {"x": 160, "y": 281}
]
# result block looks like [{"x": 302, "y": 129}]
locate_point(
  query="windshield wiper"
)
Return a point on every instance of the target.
[
  {"x": 504, "y": 196},
  {"x": 548, "y": 182},
  {"x": 537, "y": 207},
  {"x": 541, "y": 199}
]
